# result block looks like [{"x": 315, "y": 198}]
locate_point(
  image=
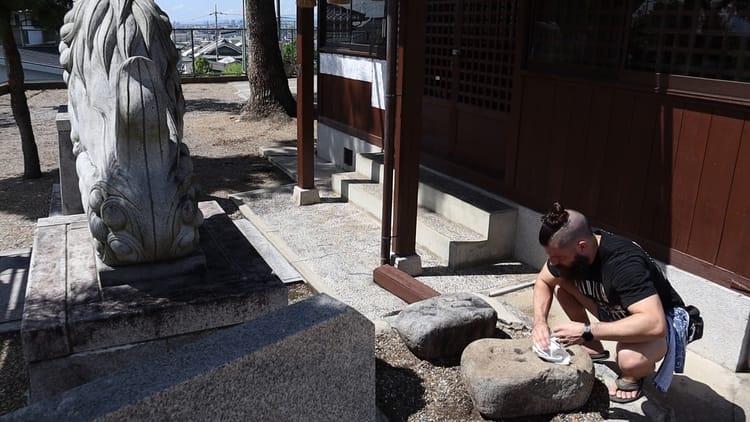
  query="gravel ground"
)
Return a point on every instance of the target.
[{"x": 226, "y": 160}]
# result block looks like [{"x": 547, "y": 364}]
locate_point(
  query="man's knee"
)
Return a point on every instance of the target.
[{"x": 640, "y": 357}]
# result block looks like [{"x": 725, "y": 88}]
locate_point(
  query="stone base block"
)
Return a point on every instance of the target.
[
  {"x": 83, "y": 329},
  {"x": 193, "y": 265},
  {"x": 411, "y": 265},
  {"x": 312, "y": 361},
  {"x": 506, "y": 379},
  {"x": 441, "y": 327},
  {"x": 305, "y": 196}
]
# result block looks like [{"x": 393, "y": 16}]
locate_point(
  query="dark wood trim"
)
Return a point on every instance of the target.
[
  {"x": 305, "y": 129},
  {"x": 402, "y": 285},
  {"x": 732, "y": 94},
  {"x": 361, "y": 134},
  {"x": 212, "y": 79},
  {"x": 45, "y": 85},
  {"x": 408, "y": 140},
  {"x": 516, "y": 112},
  {"x": 349, "y": 50}
]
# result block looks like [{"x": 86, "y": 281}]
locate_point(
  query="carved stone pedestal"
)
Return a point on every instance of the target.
[{"x": 75, "y": 329}]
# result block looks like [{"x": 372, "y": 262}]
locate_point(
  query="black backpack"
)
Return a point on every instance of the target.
[{"x": 695, "y": 327}]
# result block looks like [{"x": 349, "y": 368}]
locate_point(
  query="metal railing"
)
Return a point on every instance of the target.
[{"x": 210, "y": 51}]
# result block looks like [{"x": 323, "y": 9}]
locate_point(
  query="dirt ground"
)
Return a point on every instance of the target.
[{"x": 224, "y": 150}]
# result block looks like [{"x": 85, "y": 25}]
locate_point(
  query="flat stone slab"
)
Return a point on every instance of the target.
[
  {"x": 13, "y": 271},
  {"x": 312, "y": 361},
  {"x": 506, "y": 379},
  {"x": 270, "y": 254},
  {"x": 440, "y": 327},
  {"x": 69, "y": 314}
]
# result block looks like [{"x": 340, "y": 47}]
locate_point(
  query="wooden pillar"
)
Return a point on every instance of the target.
[
  {"x": 409, "y": 91},
  {"x": 305, "y": 140}
]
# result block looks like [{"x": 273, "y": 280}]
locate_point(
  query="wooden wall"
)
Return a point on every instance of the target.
[
  {"x": 670, "y": 171},
  {"x": 346, "y": 105}
]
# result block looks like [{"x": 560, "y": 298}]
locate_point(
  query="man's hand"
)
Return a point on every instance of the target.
[
  {"x": 569, "y": 333},
  {"x": 540, "y": 335}
]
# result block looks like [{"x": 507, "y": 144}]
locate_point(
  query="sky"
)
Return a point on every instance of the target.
[{"x": 199, "y": 11}]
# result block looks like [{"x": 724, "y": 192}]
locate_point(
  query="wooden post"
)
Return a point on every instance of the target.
[
  {"x": 305, "y": 146},
  {"x": 409, "y": 89},
  {"x": 305, "y": 192}
]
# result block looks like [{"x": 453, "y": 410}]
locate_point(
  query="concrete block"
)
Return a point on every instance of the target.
[
  {"x": 305, "y": 196},
  {"x": 411, "y": 264},
  {"x": 69, "y": 192},
  {"x": 69, "y": 313},
  {"x": 313, "y": 361}
]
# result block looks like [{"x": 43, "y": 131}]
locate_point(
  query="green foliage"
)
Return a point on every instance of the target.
[
  {"x": 201, "y": 66},
  {"x": 289, "y": 52},
  {"x": 232, "y": 69}
]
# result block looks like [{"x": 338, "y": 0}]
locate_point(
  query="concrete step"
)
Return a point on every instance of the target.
[
  {"x": 494, "y": 220},
  {"x": 457, "y": 245}
]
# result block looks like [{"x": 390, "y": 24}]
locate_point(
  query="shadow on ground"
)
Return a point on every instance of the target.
[
  {"x": 15, "y": 192},
  {"x": 239, "y": 173},
  {"x": 212, "y": 105},
  {"x": 399, "y": 391}
]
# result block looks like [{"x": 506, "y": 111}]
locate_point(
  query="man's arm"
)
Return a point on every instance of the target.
[
  {"x": 646, "y": 322},
  {"x": 544, "y": 287}
]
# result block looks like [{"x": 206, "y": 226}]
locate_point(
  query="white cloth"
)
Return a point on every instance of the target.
[{"x": 556, "y": 353}]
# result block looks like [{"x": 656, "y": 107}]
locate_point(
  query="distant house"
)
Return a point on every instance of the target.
[
  {"x": 38, "y": 49},
  {"x": 219, "y": 56}
]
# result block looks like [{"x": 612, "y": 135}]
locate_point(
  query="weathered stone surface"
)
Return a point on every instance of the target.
[
  {"x": 69, "y": 195},
  {"x": 84, "y": 329},
  {"x": 440, "y": 327},
  {"x": 505, "y": 379},
  {"x": 126, "y": 108},
  {"x": 311, "y": 361}
]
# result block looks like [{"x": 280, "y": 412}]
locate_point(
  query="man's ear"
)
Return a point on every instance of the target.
[{"x": 582, "y": 245}]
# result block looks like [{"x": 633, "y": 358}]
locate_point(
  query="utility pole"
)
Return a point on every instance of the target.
[
  {"x": 216, "y": 32},
  {"x": 216, "y": 14},
  {"x": 278, "y": 17},
  {"x": 244, "y": 38}
]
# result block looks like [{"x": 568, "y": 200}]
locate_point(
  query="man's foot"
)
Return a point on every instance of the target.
[
  {"x": 596, "y": 350},
  {"x": 626, "y": 391}
]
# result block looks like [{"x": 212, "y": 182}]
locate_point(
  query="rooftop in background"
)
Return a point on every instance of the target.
[{"x": 40, "y": 63}]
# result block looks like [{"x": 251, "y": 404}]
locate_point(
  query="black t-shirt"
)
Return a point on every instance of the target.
[{"x": 622, "y": 274}]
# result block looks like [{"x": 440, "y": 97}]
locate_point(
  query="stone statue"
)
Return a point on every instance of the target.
[{"x": 126, "y": 108}]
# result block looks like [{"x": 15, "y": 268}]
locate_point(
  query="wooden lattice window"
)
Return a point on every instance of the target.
[
  {"x": 469, "y": 52},
  {"x": 486, "y": 49},
  {"x": 706, "y": 38},
  {"x": 577, "y": 32},
  {"x": 439, "y": 40}
]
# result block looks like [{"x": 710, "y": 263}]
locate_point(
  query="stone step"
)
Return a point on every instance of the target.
[
  {"x": 457, "y": 245},
  {"x": 457, "y": 223},
  {"x": 450, "y": 198}
]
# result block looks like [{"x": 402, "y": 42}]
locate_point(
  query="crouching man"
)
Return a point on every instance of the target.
[{"x": 614, "y": 279}]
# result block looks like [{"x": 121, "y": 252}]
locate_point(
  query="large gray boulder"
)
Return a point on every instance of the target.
[
  {"x": 442, "y": 326},
  {"x": 505, "y": 379}
]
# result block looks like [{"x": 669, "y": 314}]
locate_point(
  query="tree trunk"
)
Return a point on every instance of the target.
[
  {"x": 31, "y": 168},
  {"x": 269, "y": 89}
]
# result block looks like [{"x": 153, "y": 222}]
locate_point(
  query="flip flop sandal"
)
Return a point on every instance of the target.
[
  {"x": 596, "y": 357},
  {"x": 625, "y": 385}
]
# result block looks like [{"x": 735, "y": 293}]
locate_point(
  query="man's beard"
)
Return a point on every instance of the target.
[{"x": 578, "y": 270}]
